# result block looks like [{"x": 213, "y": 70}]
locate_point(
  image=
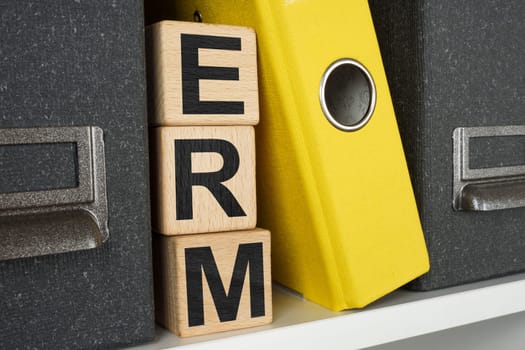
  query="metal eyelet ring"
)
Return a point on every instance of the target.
[{"x": 347, "y": 94}]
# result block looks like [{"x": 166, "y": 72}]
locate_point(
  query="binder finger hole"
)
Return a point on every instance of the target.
[{"x": 347, "y": 94}]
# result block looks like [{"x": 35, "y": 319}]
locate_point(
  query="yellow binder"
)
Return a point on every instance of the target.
[{"x": 333, "y": 185}]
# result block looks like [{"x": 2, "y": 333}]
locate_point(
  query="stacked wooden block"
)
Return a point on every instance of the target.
[{"x": 212, "y": 265}]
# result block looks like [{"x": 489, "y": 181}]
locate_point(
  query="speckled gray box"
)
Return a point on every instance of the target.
[
  {"x": 457, "y": 64},
  {"x": 70, "y": 63}
]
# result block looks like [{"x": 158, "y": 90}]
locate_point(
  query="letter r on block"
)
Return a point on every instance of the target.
[
  {"x": 205, "y": 179},
  {"x": 185, "y": 179}
]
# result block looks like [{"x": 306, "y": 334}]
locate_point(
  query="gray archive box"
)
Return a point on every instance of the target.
[
  {"x": 456, "y": 76},
  {"x": 75, "y": 251}
]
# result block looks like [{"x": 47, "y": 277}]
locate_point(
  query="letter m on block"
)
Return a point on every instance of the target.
[{"x": 201, "y": 259}]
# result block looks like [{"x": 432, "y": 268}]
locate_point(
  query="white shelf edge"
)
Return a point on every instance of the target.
[{"x": 403, "y": 314}]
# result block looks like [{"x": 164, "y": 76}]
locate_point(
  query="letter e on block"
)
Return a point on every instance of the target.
[
  {"x": 202, "y": 74},
  {"x": 213, "y": 282},
  {"x": 205, "y": 179}
]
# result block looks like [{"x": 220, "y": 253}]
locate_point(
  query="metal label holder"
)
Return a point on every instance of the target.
[
  {"x": 58, "y": 220},
  {"x": 486, "y": 189}
]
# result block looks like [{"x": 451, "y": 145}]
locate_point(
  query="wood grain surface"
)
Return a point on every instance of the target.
[
  {"x": 207, "y": 283},
  {"x": 211, "y": 188},
  {"x": 201, "y": 74}
]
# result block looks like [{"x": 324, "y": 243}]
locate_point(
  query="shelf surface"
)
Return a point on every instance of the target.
[{"x": 403, "y": 314}]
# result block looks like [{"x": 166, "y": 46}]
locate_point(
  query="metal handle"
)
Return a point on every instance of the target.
[
  {"x": 57, "y": 220},
  {"x": 488, "y": 188}
]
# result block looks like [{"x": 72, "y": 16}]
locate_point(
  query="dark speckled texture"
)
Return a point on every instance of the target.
[
  {"x": 38, "y": 167},
  {"x": 80, "y": 62},
  {"x": 452, "y": 64}
]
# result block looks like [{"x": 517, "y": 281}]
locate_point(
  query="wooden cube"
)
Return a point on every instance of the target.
[
  {"x": 203, "y": 179},
  {"x": 213, "y": 282},
  {"x": 201, "y": 74}
]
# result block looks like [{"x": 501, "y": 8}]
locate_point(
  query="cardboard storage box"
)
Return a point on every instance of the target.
[
  {"x": 456, "y": 76},
  {"x": 75, "y": 258}
]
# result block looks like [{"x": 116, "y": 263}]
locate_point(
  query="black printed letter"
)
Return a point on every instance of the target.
[
  {"x": 192, "y": 73},
  {"x": 185, "y": 179},
  {"x": 227, "y": 304}
]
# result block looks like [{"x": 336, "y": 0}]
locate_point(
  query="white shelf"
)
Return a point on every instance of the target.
[{"x": 403, "y": 314}]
